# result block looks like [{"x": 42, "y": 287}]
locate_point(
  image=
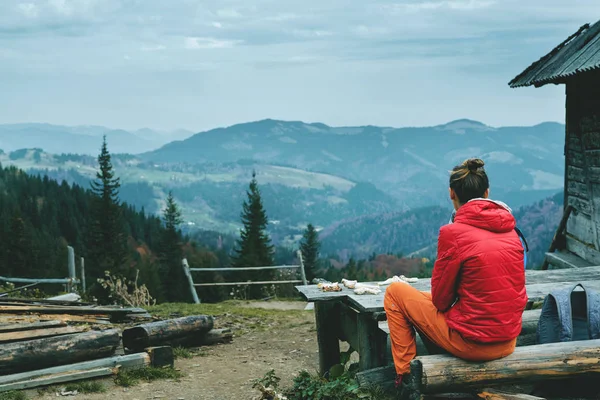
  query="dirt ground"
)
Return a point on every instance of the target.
[{"x": 227, "y": 371}]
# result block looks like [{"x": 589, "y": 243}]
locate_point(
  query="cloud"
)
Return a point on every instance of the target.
[
  {"x": 156, "y": 47},
  {"x": 464, "y": 5},
  {"x": 217, "y": 24},
  {"x": 30, "y": 10},
  {"x": 229, "y": 13},
  {"x": 195, "y": 43}
]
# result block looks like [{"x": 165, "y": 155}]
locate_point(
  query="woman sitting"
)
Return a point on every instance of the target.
[{"x": 475, "y": 307}]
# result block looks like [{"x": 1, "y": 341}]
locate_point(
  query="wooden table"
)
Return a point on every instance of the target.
[{"x": 348, "y": 317}]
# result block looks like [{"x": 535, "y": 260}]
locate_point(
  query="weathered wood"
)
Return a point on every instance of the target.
[
  {"x": 559, "y": 233},
  {"x": 302, "y": 271},
  {"x": 529, "y": 324},
  {"x": 492, "y": 394},
  {"x": 577, "y": 189},
  {"x": 575, "y": 174},
  {"x": 156, "y": 333},
  {"x": 209, "y": 338},
  {"x": 327, "y": 327},
  {"x": 371, "y": 343},
  {"x": 47, "y": 352},
  {"x": 71, "y": 268},
  {"x": 245, "y": 283},
  {"x": 129, "y": 361},
  {"x": 382, "y": 377},
  {"x": 583, "y": 250},
  {"x": 579, "y": 204},
  {"x": 590, "y": 195},
  {"x": 31, "y": 326},
  {"x": 64, "y": 281},
  {"x": 58, "y": 378},
  {"x": 82, "y": 266},
  {"x": 188, "y": 275},
  {"x": 9, "y": 337},
  {"x": 581, "y": 227},
  {"x": 566, "y": 260},
  {"x": 529, "y": 363},
  {"x": 48, "y": 309},
  {"x": 161, "y": 356}
]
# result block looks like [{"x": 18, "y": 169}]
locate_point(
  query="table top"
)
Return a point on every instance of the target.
[{"x": 539, "y": 284}]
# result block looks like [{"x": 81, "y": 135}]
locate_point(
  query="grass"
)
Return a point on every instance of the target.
[
  {"x": 85, "y": 387},
  {"x": 182, "y": 352},
  {"x": 13, "y": 395},
  {"x": 133, "y": 377},
  {"x": 233, "y": 314}
]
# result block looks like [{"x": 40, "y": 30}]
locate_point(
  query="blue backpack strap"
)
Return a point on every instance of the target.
[
  {"x": 593, "y": 312},
  {"x": 524, "y": 244}
]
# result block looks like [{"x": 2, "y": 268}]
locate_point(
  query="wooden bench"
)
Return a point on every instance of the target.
[{"x": 444, "y": 374}]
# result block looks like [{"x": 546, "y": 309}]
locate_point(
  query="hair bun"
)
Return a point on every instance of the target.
[{"x": 474, "y": 164}]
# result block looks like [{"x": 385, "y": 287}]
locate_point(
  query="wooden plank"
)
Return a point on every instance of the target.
[
  {"x": 575, "y": 157},
  {"x": 128, "y": 361},
  {"x": 155, "y": 333},
  {"x": 583, "y": 250},
  {"x": 326, "y": 313},
  {"x": 579, "y": 204},
  {"x": 9, "y": 337},
  {"x": 577, "y": 189},
  {"x": 493, "y": 394},
  {"x": 575, "y": 174},
  {"x": 312, "y": 293},
  {"x": 591, "y": 139},
  {"x": 529, "y": 363},
  {"x": 529, "y": 324},
  {"x": 559, "y": 235},
  {"x": 47, "y": 352},
  {"x": 31, "y": 326},
  {"x": 581, "y": 227},
  {"x": 382, "y": 377},
  {"x": 237, "y": 269},
  {"x": 161, "y": 356},
  {"x": 65, "y": 310},
  {"x": 245, "y": 283},
  {"x": 188, "y": 275},
  {"x": 567, "y": 260},
  {"x": 59, "y": 378}
]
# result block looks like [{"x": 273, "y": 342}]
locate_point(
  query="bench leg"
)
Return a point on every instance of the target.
[
  {"x": 372, "y": 343},
  {"x": 329, "y": 344}
]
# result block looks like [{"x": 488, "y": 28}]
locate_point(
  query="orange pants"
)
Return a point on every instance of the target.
[{"x": 408, "y": 309}]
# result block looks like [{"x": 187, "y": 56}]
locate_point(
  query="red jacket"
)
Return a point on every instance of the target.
[{"x": 480, "y": 266}]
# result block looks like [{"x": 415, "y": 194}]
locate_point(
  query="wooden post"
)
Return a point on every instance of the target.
[
  {"x": 326, "y": 315},
  {"x": 82, "y": 263},
  {"x": 72, "y": 276},
  {"x": 372, "y": 343},
  {"x": 302, "y": 272},
  {"x": 559, "y": 231},
  {"x": 188, "y": 274}
]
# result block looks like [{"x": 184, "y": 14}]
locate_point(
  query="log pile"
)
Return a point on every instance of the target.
[{"x": 45, "y": 342}]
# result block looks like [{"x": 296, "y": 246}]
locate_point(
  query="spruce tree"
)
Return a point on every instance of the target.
[
  {"x": 309, "y": 246},
  {"x": 171, "y": 254},
  {"x": 254, "y": 248},
  {"x": 107, "y": 243}
]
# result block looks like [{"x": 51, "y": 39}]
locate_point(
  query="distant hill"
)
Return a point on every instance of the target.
[
  {"x": 82, "y": 139},
  {"x": 414, "y": 233},
  {"x": 525, "y": 163}
]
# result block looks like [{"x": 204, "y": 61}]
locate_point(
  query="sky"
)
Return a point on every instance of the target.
[{"x": 198, "y": 65}]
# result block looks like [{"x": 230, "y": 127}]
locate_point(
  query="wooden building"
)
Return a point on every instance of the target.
[{"x": 576, "y": 64}]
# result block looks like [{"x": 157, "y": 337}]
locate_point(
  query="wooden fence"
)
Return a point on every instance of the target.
[
  {"x": 188, "y": 273},
  {"x": 71, "y": 281}
]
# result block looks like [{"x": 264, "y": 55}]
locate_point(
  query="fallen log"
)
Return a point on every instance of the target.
[
  {"x": 47, "y": 352},
  {"x": 10, "y": 337},
  {"x": 85, "y": 370},
  {"x": 160, "y": 332},
  {"x": 209, "y": 338},
  {"x": 438, "y": 373},
  {"x": 87, "y": 319}
]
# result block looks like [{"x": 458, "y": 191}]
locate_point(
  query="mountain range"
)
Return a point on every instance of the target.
[
  {"x": 341, "y": 179},
  {"x": 83, "y": 139}
]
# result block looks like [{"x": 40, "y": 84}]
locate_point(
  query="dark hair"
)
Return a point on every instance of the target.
[{"x": 469, "y": 180}]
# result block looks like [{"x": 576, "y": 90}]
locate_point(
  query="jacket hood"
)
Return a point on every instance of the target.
[{"x": 491, "y": 215}]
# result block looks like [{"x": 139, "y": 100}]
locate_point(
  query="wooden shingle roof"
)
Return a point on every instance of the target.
[{"x": 579, "y": 53}]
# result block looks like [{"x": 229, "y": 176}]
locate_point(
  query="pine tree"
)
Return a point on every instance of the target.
[
  {"x": 107, "y": 246},
  {"x": 171, "y": 254},
  {"x": 254, "y": 248},
  {"x": 310, "y": 251}
]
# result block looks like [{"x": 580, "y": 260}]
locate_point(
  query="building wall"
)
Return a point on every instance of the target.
[{"x": 582, "y": 155}]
